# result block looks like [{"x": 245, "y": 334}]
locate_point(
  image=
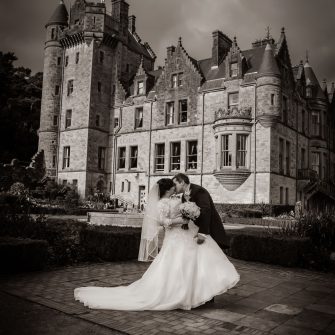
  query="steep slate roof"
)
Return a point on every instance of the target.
[
  {"x": 60, "y": 15},
  {"x": 253, "y": 57},
  {"x": 269, "y": 64},
  {"x": 313, "y": 81},
  {"x": 137, "y": 46}
]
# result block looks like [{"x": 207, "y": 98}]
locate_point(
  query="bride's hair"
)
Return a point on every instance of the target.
[{"x": 164, "y": 185}]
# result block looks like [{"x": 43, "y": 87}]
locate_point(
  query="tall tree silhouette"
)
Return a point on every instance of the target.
[{"x": 20, "y": 101}]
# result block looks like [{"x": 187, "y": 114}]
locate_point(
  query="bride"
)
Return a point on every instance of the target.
[{"x": 182, "y": 275}]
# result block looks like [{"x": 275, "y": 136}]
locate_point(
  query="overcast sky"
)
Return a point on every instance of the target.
[{"x": 309, "y": 24}]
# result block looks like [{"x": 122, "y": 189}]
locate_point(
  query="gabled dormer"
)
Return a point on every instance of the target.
[
  {"x": 181, "y": 70},
  {"x": 235, "y": 62},
  {"x": 143, "y": 81},
  {"x": 284, "y": 62}
]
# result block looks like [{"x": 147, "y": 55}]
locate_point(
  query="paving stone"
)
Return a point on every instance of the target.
[
  {"x": 291, "y": 330},
  {"x": 223, "y": 315},
  {"x": 256, "y": 323},
  {"x": 283, "y": 309},
  {"x": 310, "y": 320},
  {"x": 327, "y": 309}
]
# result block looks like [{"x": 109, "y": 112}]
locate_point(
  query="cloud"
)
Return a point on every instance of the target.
[{"x": 310, "y": 25}]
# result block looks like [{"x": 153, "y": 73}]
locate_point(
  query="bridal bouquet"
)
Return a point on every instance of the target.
[{"x": 189, "y": 210}]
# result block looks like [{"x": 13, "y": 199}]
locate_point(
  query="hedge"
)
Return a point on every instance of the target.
[
  {"x": 290, "y": 252},
  {"x": 17, "y": 254},
  {"x": 110, "y": 243}
]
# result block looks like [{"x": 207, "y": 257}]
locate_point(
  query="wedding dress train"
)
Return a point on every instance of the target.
[{"x": 184, "y": 275}]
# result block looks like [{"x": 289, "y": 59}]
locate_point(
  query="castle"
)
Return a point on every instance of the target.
[{"x": 245, "y": 124}]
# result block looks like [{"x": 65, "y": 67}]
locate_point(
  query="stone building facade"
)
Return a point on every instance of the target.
[{"x": 247, "y": 125}]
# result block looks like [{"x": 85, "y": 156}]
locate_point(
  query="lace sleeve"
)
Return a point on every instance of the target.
[{"x": 164, "y": 213}]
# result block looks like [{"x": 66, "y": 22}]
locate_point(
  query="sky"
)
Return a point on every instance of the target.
[{"x": 309, "y": 26}]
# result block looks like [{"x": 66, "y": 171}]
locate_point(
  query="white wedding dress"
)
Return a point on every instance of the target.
[{"x": 184, "y": 274}]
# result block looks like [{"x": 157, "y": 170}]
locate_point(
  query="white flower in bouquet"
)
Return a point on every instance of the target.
[{"x": 190, "y": 210}]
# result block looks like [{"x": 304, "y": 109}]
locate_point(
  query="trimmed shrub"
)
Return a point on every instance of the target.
[
  {"x": 291, "y": 252},
  {"x": 110, "y": 243},
  {"x": 22, "y": 254}
]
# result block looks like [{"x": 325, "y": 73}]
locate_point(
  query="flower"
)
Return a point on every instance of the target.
[{"x": 190, "y": 210}]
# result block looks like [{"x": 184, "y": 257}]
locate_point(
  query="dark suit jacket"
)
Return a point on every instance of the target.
[{"x": 209, "y": 221}]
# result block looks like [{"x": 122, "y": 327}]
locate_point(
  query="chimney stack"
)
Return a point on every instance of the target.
[
  {"x": 132, "y": 23},
  {"x": 221, "y": 46}
]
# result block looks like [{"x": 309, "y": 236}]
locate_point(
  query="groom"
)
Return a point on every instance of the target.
[{"x": 209, "y": 221}]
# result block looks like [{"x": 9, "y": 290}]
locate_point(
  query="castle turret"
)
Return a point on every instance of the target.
[
  {"x": 268, "y": 89},
  {"x": 52, "y": 79}
]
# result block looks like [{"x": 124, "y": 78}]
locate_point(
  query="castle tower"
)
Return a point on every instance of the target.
[
  {"x": 52, "y": 87},
  {"x": 268, "y": 89},
  {"x": 94, "y": 45}
]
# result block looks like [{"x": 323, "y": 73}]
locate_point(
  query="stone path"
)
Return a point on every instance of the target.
[{"x": 267, "y": 300}]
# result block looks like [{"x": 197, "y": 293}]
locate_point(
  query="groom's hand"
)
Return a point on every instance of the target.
[{"x": 200, "y": 239}]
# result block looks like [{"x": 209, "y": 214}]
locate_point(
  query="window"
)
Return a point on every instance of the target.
[
  {"x": 286, "y": 196},
  {"x": 281, "y": 156},
  {"x": 77, "y": 57},
  {"x": 97, "y": 120},
  {"x": 272, "y": 99},
  {"x": 116, "y": 122},
  {"x": 241, "y": 153},
  {"x": 54, "y": 160},
  {"x": 325, "y": 167},
  {"x": 101, "y": 57},
  {"x": 133, "y": 157},
  {"x": 303, "y": 158},
  {"x": 64, "y": 182},
  {"x": 316, "y": 162},
  {"x": 309, "y": 92},
  {"x": 226, "y": 155},
  {"x": 122, "y": 186},
  {"x": 232, "y": 100},
  {"x": 169, "y": 113},
  {"x": 281, "y": 195},
  {"x": 139, "y": 117},
  {"x": 183, "y": 111},
  {"x": 127, "y": 68},
  {"x": 140, "y": 88},
  {"x": 53, "y": 33},
  {"x": 59, "y": 60},
  {"x": 69, "y": 87},
  {"x": 159, "y": 157},
  {"x": 99, "y": 86},
  {"x": 66, "y": 60},
  {"x": 285, "y": 111},
  {"x": 129, "y": 186},
  {"x": 57, "y": 90},
  {"x": 233, "y": 69},
  {"x": 75, "y": 182},
  {"x": 287, "y": 159},
  {"x": 192, "y": 155},
  {"x": 175, "y": 156},
  {"x": 101, "y": 158},
  {"x": 303, "y": 121},
  {"x": 66, "y": 157},
  {"x": 177, "y": 80},
  {"x": 68, "y": 118},
  {"x": 122, "y": 158},
  {"x": 55, "y": 123},
  {"x": 316, "y": 123}
]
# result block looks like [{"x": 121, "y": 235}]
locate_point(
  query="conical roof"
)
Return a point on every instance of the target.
[
  {"x": 311, "y": 80},
  {"x": 60, "y": 15},
  {"x": 269, "y": 64}
]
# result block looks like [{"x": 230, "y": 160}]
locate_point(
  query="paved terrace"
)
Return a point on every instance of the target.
[{"x": 267, "y": 300}]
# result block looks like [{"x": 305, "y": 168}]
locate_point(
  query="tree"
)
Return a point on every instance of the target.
[{"x": 20, "y": 101}]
